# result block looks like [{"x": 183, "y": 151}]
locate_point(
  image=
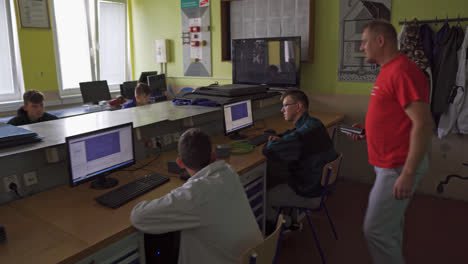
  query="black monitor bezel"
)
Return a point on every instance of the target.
[
  {"x": 84, "y": 87},
  {"x": 67, "y": 139},
  {"x": 234, "y": 68},
  {"x": 126, "y": 85},
  {"x": 158, "y": 78},
  {"x": 240, "y": 129},
  {"x": 144, "y": 76}
]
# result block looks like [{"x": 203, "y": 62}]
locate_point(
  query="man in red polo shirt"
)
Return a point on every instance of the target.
[{"x": 398, "y": 131}]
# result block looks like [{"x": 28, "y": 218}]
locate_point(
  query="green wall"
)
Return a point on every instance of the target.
[
  {"x": 37, "y": 57},
  {"x": 161, "y": 19},
  {"x": 321, "y": 75}
]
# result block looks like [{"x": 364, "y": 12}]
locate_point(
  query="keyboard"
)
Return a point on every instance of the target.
[
  {"x": 259, "y": 139},
  {"x": 126, "y": 193}
]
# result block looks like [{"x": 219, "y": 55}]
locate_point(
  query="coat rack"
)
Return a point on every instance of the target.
[{"x": 436, "y": 21}]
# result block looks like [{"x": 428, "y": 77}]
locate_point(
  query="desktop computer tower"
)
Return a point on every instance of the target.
[{"x": 162, "y": 248}]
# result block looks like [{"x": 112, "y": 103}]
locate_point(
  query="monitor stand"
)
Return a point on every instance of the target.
[
  {"x": 103, "y": 182},
  {"x": 237, "y": 136}
]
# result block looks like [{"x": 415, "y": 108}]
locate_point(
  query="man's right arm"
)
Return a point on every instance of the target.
[{"x": 172, "y": 212}]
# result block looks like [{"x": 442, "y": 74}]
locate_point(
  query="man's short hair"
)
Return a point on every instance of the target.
[
  {"x": 33, "y": 96},
  {"x": 297, "y": 95},
  {"x": 195, "y": 149},
  {"x": 142, "y": 89},
  {"x": 383, "y": 27}
]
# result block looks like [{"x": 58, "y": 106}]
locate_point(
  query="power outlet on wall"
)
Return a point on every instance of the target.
[
  {"x": 167, "y": 139},
  {"x": 8, "y": 180},
  {"x": 30, "y": 178},
  {"x": 176, "y": 136}
]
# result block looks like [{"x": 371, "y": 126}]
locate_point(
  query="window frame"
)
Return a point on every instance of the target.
[
  {"x": 15, "y": 56},
  {"x": 93, "y": 46}
]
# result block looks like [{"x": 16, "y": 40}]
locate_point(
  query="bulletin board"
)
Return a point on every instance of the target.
[
  {"x": 34, "y": 13},
  {"x": 196, "y": 37},
  {"x": 271, "y": 18}
]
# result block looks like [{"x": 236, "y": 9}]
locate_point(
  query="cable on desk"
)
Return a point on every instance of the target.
[
  {"x": 144, "y": 165},
  {"x": 241, "y": 147}
]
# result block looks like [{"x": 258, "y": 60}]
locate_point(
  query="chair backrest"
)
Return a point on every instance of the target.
[
  {"x": 334, "y": 167},
  {"x": 266, "y": 252}
]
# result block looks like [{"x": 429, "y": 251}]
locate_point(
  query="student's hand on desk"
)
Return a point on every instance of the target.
[
  {"x": 273, "y": 138},
  {"x": 357, "y": 137}
]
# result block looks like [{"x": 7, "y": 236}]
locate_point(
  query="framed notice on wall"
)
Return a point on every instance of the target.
[{"x": 34, "y": 13}]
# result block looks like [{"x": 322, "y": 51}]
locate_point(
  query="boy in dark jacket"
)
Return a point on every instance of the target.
[{"x": 32, "y": 111}]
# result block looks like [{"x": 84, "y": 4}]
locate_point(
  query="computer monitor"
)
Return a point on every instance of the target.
[
  {"x": 144, "y": 76},
  {"x": 157, "y": 83},
  {"x": 237, "y": 116},
  {"x": 93, "y": 92},
  {"x": 93, "y": 155},
  {"x": 271, "y": 61},
  {"x": 127, "y": 89}
]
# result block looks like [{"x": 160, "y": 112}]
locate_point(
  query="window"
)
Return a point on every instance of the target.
[
  {"x": 91, "y": 43},
  {"x": 11, "y": 76}
]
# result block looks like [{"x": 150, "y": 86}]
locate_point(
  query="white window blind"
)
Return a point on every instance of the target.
[
  {"x": 112, "y": 41},
  {"x": 91, "y": 42},
  {"x": 11, "y": 80}
]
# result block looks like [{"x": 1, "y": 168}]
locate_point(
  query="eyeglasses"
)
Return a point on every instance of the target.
[{"x": 286, "y": 105}]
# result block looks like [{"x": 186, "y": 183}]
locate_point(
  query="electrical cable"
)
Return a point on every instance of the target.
[
  {"x": 440, "y": 186},
  {"x": 241, "y": 147},
  {"x": 14, "y": 188},
  {"x": 144, "y": 165}
]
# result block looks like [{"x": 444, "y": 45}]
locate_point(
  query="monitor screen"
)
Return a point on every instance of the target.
[
  {"x": 157, "y": 83},
  {"x": 271, "y": 61},
  {"x": 127, "y": 89},
  {"x": 93, "y": 92},
  {"x": 95, "y": 154},
  {"x": 237, "y": 116},
  {"x": 144, "y": 76}
]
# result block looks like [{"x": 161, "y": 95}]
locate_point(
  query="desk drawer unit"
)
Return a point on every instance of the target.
[
  {"x": 124, "y": 251},
  {"x": 255, "y": 187}
]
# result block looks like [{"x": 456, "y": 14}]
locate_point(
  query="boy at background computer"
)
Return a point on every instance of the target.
[
  {"x": 211, "y": 209},
  {"x": 32, "y": 111},
  {"x": 142, "y": 96}
]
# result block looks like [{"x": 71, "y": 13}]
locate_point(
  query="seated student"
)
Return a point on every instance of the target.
[
  {"x": 32, "y": 111},
  {"x": 142, "y": 96},
  {"x": 302, "y": 151},
  {"x": 211, "y": 209}
]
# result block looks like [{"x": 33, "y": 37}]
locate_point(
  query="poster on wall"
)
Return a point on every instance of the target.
[
  {"x": 196, "y": 37},
  {"x": 354, "y": 15},
  {"x": 34, "y": 13}
]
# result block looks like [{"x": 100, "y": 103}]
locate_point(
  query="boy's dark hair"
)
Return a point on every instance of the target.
[
  {"x": 383, "y": 27},
  {"x": 142, "y": 89},
  {"x": 33, "y": 96},
  {"x": 297, "y": 95},
  {"x": 195, "y": 149}
]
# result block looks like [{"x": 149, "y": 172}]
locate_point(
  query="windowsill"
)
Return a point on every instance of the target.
[{"x": 65, "y": 100}]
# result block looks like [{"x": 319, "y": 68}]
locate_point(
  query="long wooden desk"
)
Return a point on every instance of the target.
[{"x": 64, "y": 225}]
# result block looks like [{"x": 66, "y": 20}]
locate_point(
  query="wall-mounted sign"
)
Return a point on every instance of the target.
[{"x": 34, "y": 13}]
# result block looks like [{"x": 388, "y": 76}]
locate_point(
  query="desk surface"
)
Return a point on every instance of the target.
[
  {"x": 64, "y": 225},
  {"x": 55, "y": 131}
]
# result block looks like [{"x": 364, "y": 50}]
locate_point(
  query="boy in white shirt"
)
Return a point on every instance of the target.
[{"x": 211, "y": 209}]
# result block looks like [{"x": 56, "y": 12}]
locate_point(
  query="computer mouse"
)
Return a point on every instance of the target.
[
  {"x": 184, "y": 177},
  {"x": 270, "y": 131}
]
